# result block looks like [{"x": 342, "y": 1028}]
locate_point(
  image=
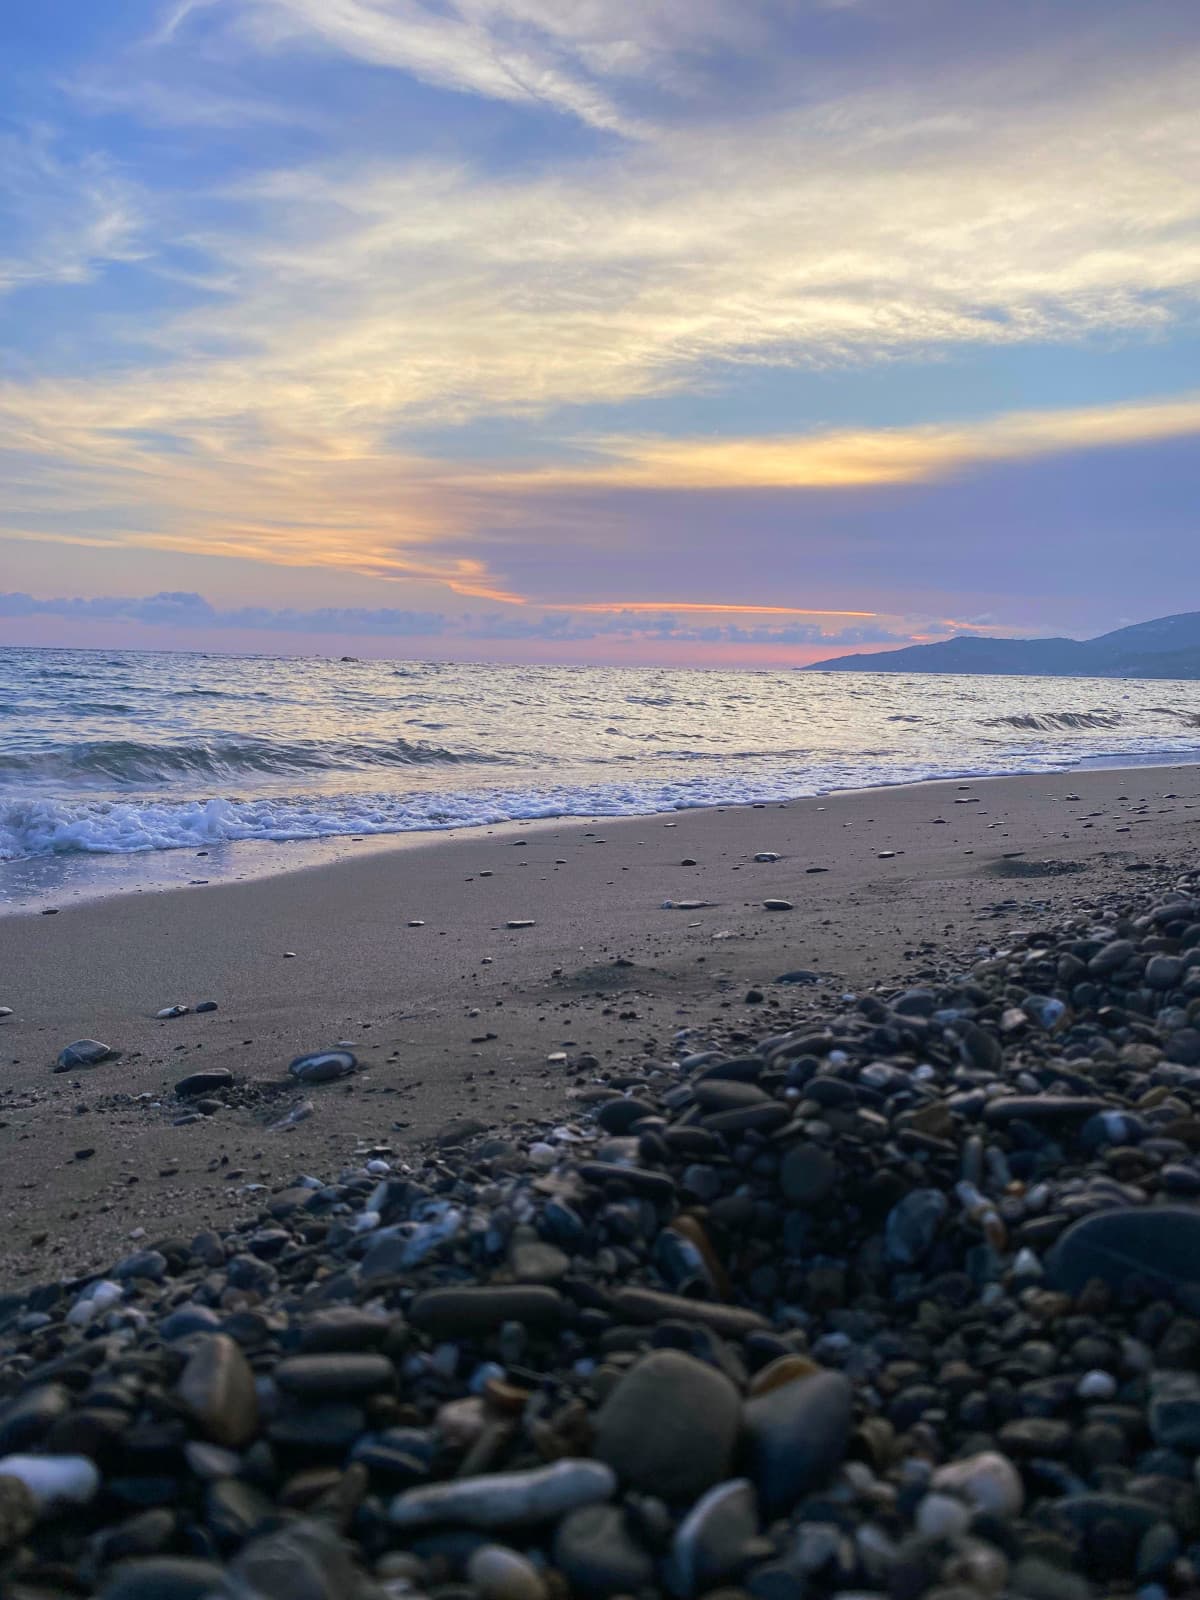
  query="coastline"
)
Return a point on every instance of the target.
[{"x": 1013, "y": 850}]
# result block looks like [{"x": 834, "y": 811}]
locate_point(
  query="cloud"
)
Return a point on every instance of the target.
[
  {"x": 187, "y": 610},
  {"x": 63, "y": 219},
  {"x": 859, "y": 458}
]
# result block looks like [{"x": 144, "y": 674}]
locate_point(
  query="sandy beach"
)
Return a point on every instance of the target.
[{"x": 458, "y": 1016}]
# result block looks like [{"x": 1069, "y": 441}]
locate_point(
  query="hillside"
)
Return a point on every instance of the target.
[{"x": 1167, "y": 647}]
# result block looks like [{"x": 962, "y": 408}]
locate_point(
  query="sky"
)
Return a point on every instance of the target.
[{"x": 712, "y": 332}]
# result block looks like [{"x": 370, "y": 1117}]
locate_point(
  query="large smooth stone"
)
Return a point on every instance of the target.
[
  {"x": 324, "y": 1066},
  {"x": 798, "y": 1435},
  {"x": 507, "y": 1499},
  {"x": 807, "y": 1174},
  {"x": 1161, "y": 1242},
  {"x": 988, "y": 1480},
  {"x": 669, "y": 1426},
  {"x": 502, "y": 1574},
  {"x": 217, "y": 1387},
  {"x": 207, "y": 1082}
]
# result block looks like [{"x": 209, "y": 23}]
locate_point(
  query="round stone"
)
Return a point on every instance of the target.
[
  {"x": 1155, "y": 1242},
  {"x": 988, "y": 1481},
  {"x": 84, "y": 1053},
  {"x": 669, "y": 1426}
]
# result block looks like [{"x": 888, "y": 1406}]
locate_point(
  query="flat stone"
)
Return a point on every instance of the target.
[
  {"x": 650, "y": 1305},
  {"x": 1037, "y": 1108},
  {"x": 778, "y": 905},
  {"x": 217, "y": 1387},
  {"x": 306, "y": 1561},
  {"x": 507, "y": 1499},
  {"x": 209, "y": 1081},
  {"x": 669, "y": 1426},
  {"x": 85, "y": 1053},
  {"x": 323, "y": 1066},
  {"x": 1156, "y": 1242},
  {"x": 337, "y": 1375},
  {"x": 463, "y": 1312},
  {"x": 619, "y": 1116},
  {"x": 597, "y": 1553},
  {"x": 797, "y": 1436}
]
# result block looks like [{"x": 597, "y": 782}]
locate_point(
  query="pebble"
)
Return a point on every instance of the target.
[
  {"x": 165, "y": 1578},
  {"x": 797, "y": 1434},
  {"x": 507, "y": 1499},
  {"x": 598, "y": 1554},
  {"x": 84, "y": 1053},
  {"x": 988, "y": 1481},
  {"x": 217, "y": 1387},
  {"x": 669, "y": 1426},
  {"x": 210, "y": 1081},
  {"x": 778, "y": 905},
  {"x": 54, "y": 1480},
  {"x": 172, "y": 1011},
  {"x": 710, "y": 1544},
  {"x": 1128, "y": 1242},
  {"x": 499, "y": 1573},
  {"x": 324, "y": 1066}
]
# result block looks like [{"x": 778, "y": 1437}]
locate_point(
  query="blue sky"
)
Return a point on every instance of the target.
[{"x": 696, "y": 330}]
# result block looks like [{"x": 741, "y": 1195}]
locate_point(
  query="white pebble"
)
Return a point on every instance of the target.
[
  {"x": 988, "y": 1480},
  {"x": 365, "y": 1221},
  {"x": 1096, "y": 1385},
  {"x": 54, "y": 1480},
  {"x": 378, "y": 1168},
  {"x": 94, "y": 1300}
]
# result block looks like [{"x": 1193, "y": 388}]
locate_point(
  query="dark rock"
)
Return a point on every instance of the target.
[
  {"x": 669, "y": 1426},
  {"x": 1159, "y": 1243},
  {"x": 599, "y": 1556},
  {"x": 335, "y": 1376},
  {"x": 464, "y": 1312},
  {"x": 797, "y": 1435},
  {"x": 210, "y": 1081}
]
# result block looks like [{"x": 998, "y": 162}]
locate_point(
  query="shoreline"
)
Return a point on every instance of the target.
[
  {"x": 30, "y": 884},
  {"x": 461, "y": 1015}
]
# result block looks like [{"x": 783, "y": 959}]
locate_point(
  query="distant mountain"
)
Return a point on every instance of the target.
[{"x": 1168, "y": 647}]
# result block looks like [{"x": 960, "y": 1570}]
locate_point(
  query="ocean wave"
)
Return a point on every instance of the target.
[
  {"x": 1056, "y": 721},
  {"x": 123, "y": 762}
]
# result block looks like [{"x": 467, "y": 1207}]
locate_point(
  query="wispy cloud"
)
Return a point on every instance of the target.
[{"x": 62, "y": 219}]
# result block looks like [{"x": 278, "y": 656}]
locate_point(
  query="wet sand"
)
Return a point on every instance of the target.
[{"x": 458, "y": 1017}]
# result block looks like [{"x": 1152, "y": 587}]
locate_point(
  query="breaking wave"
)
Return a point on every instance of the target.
[{"x": 1056, "y": 721}]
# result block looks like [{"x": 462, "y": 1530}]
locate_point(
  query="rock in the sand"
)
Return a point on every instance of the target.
[
  {"x": 710, "y": 1543},
  {"x": 598, "y": 1554},
  {"x": 499, "y": 1573},
  {"x": 1160, "y": 1242},
  {"x": 217, "y": 1387},
  {"x": 520, "y": 922},
  {"x": 164, "y": 1578},
  {"x": 767, "y": 855},
  {"x": 323, "y": 1066},
  {"x": 205, "y": 1005},
  {"x": 209, "y": 1081},
  {"x": 54, "y": 1480},
  {"x": 669, "y": 1426},
  {"x": 798, "y": 1435},
  {"x": 507, "y": 1499},
  {"x": 988, "y": 1481},
  {"x": 807, "y": 1174},
  {"x": 84, "y": 1053},
  {"x": 168, "y": 1012},
  {"x": 778, "y": 905}
]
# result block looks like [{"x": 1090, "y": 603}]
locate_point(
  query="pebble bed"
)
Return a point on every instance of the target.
[{"x": 903, "y": 1303}]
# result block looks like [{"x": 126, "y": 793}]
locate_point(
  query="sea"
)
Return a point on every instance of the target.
[{"x": 118, "y": 768}]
